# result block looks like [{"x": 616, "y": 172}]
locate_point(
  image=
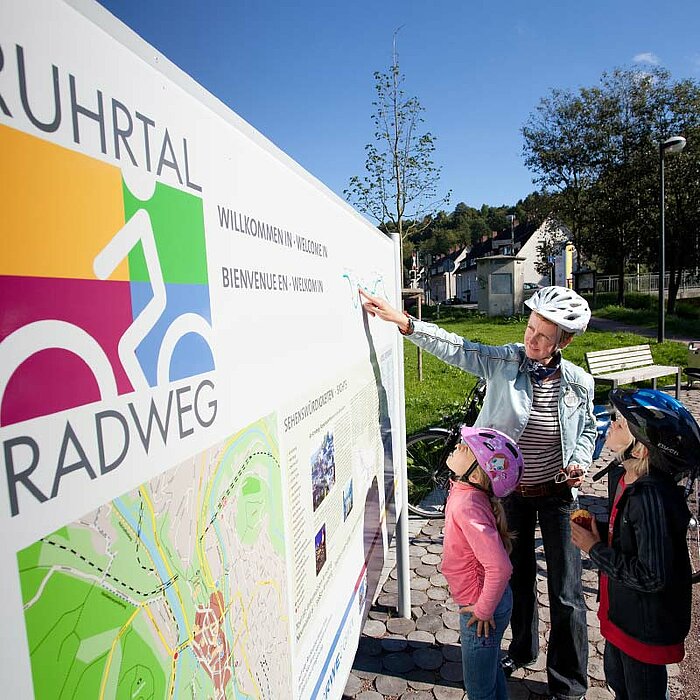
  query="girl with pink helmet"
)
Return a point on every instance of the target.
[
  {"x": 487, "y": 466},
  {"x": 497, "y": 455}
]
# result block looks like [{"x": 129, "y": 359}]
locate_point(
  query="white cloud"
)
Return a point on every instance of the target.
[{"x": 647, "y": 57}]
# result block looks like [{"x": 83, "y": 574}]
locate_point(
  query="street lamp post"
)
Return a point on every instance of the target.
[{"x": 675, "y": 144}]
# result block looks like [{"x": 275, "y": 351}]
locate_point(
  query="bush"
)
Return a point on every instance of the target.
[
  {"x": 684, "y": 309},
  {"x": 633, "y": 300}
]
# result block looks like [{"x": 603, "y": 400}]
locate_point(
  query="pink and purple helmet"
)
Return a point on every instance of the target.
[{"x": 497, "y": 455}]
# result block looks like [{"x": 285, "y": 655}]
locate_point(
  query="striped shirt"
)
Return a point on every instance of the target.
[{"x": 540, "y": 442}]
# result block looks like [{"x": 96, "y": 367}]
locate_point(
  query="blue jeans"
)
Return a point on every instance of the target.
[
  {"x": 632, "y": 679},
  {"x": 481, "y": 667},
  {"x": 567, "y": 652}
]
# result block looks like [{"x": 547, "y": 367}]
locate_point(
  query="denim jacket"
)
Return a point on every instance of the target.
[{"x": 509, "y": 396}]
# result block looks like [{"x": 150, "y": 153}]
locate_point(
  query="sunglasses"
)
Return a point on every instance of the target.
[
  {"x": 562, "y": 476},
  {"x": 613, "y": 414}
]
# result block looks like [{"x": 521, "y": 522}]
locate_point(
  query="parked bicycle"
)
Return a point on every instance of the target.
[
  {"x": 426, "y": 457},
  {"x": 429, "y": 476},
  {"x": 427, "y": 452}
]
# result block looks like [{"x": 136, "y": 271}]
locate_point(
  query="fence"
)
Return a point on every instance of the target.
[{"x": 648, "y": 283}]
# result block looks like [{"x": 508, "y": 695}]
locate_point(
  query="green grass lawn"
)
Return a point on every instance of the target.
[
  {"x": 444, "y": 388},
  {"x": 642, "y": 310}
]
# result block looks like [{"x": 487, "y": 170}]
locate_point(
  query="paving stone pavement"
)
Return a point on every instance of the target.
[{"x": 420, "y": 659}]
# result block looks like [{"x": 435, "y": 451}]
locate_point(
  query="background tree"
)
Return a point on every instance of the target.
[
  {"x": 400, "y": 187},
  {"x": 596, "y": 151},
  {"x": 496, "y": 217},
  {"x": 683, "y": 185},
  {"x": 624, "y": 197},
  {"x": 560, "y": 148},
  {"x": 535, "y": 208}
]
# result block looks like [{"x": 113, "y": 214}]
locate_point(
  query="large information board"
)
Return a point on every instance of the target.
[{"x": 197, "y": 423}]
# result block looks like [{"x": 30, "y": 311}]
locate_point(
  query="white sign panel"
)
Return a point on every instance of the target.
[{"x": 197, "y": 424}]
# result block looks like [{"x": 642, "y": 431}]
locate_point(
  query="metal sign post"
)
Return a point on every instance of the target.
[{"x": 402, "y": 568}]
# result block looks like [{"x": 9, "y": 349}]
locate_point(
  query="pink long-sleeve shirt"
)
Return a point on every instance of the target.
[{"x": 474, "y": 560}]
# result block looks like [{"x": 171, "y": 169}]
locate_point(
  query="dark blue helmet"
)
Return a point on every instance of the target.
[{"x": 665, "y": 426}]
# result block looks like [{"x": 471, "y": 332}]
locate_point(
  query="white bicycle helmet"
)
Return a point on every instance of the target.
[{"x": 561, "y": 306}]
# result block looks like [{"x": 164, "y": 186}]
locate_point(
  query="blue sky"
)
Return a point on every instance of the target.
[{"x": 301, "y": 73}]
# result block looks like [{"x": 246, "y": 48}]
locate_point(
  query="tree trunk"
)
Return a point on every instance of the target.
[
  {"x": 674, "y": 283},
  {"x": 621, "y": 283},
  {"x": 675, "y": 275}
]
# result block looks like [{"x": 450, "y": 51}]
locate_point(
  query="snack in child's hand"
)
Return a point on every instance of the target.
[{"x": 583, "y": 518}]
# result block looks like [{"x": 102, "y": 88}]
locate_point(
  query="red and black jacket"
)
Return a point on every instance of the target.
[{"x": 647, "y": 563}]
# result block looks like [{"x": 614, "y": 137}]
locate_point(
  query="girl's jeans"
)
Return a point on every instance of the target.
[{"x": 481, "y": 656}]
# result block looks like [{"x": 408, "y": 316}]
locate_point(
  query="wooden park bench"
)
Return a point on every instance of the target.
[{"x": 628, "y": 365}]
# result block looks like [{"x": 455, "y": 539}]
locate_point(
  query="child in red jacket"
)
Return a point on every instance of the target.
[{"x": 645, "y": 583}]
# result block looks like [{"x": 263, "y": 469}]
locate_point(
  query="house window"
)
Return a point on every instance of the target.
[{"x": 501, "y": 283}]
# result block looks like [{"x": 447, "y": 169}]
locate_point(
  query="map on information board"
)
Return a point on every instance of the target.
[
  {"x": 199, "y": 425},
  {"x": 177, "y": 585}
]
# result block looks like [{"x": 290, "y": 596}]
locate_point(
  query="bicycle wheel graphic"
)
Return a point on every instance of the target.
[
  {"x": 178, "y": 329},
  {"x": 33, "y": 338}
]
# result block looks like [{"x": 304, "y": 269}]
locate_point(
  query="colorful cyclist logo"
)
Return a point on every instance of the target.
[{"x": 105, "y": 288}]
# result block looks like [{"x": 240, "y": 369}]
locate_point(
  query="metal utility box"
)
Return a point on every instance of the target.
[{"x": 500, "y": 279}]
